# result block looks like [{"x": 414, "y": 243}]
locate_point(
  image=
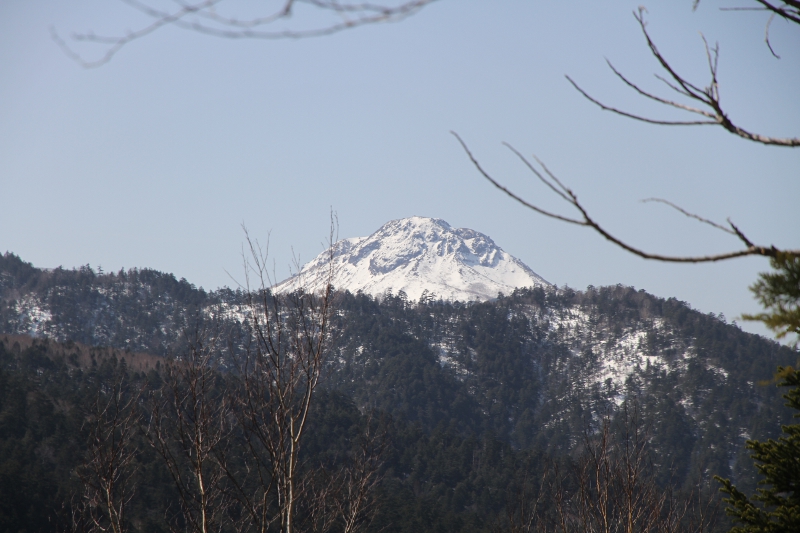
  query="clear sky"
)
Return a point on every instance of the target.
[{"x": 157, "y": 158}]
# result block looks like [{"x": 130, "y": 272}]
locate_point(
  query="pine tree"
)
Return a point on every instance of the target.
[
  {"x": 775, "y": 507},
  {"x": 779, "y": 293}
]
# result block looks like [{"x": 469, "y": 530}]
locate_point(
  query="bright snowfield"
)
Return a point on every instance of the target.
[{"x": 418, "y": 254}]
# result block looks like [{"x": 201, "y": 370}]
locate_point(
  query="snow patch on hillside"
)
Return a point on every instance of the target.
[
  {"x": 33, "y": 317},
  {"x": 446, "y": 358},
  {"x": 616, "y": 357}
]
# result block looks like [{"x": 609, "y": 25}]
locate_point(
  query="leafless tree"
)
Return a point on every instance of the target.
[
  {"x": 279, "y": 372},
  {"x": 611, "y": 489},
  {"x": 189, "y": 427},
  {"x": 348, "y": 498},
  {"x": 107, "y": 475},
  {"x": 614, "y": 491},
  {"x": 617, "y": 491},
  {"x": 265, "y": 485},
  {"x": 704, "y": 102},
  {"x": 525, "y": 508},
  {"x": 273, "y": 20}
]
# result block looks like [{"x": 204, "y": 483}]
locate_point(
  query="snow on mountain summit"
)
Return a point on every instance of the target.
[{"x": 417, "y": 254}]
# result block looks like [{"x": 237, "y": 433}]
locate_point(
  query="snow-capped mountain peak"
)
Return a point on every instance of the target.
[{"x": 415, "y": 255}]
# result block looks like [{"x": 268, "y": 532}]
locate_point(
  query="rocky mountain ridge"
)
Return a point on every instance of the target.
[{"x": 422, "y": 257}]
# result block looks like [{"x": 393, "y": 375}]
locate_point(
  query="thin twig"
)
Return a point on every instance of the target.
[
  {"x": 690, "y": 215},
  {"x": 202, "y": 17},
  {"x": 566, "y": 194},
  {"x": 708, "y": 98}
]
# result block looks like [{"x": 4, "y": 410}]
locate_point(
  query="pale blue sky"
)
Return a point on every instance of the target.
[{"x": 157, "y": 158}]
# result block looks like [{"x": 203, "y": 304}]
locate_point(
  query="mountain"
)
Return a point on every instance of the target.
[
  {"x": 474, "y": 389},
  {"x": 419, "y": 256}
]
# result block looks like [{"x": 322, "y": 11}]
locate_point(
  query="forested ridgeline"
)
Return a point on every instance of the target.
[
  {"x": 476, "y": 401},
  {"x": 431, "y": 479},
  {"x": 440, "y": 478},
  {"x": 531, "y": 368},
  {"x": 141, "y": 310}
]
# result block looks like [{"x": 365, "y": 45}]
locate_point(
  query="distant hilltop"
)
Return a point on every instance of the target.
[{"x": 419, "y": 256}]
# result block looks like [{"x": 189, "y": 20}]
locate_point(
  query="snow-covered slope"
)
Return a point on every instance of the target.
[{"x": 415, "y": 255}]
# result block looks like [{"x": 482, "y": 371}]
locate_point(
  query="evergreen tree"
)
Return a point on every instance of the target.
[
  {"x": 779, "y": 293},
  {"x": 775, "y": 508}
]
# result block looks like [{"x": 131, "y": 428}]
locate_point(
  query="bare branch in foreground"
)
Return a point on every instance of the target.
[
  {"x": 549, "y": 179},
  {"x": 617, "y": 489},
  {"x": 107, "y": 475},
  {"x": 611, "y": 487},
  {"x": 692, "y": 215},
  {"x": 790, "y": 10},
  {"x": 345, "y": 497},
  {"x": 284, "y": 358},
  {"x": 189, "y": 428},
  {"x": 204, "y": 17},
  {"x": 708, "y": 98}
]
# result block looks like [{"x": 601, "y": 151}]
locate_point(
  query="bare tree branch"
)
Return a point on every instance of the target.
[
  {"x": 766, "y": 36},
  {"x": 107, "y": 474},
  {"x": 611, "y": 488},
  {"x": 190, "y": 428},
  {"x": 281, "y": 368},
  {"x": 511, "y": 194},
  {"x": 354, "y": 502},
  {"x": 617, "y": 489},
  {"x": 708, "y": 97},
  {"x": 566, "y": 194},
  {"x": 203, "y": 17},
  {"x": 692, "y": 215},
  {"x": 789, "y": 11},
  {"x": 344, "y": 497},
  {"x": 526, "y": 506}
]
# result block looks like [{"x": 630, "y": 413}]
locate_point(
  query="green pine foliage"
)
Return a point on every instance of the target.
[
  {"x": 775, "y": 506},
  {"x": 779, "y": 293}
]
